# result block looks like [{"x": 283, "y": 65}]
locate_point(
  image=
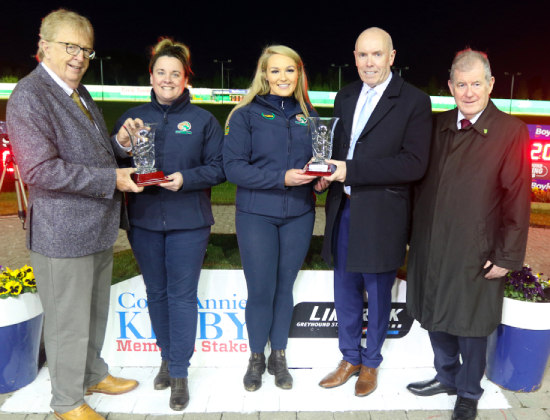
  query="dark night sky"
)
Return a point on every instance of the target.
[{"x": 426, "y": 34}]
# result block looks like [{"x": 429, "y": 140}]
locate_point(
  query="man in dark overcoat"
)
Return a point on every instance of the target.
[
  {"x": 470, "y": 227},
  {"x": 76, "y": 206},
  {"x": 381, "y": 145}
]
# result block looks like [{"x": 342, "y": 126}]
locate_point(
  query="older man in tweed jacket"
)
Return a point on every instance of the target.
[{"x": 75, "y": 209}]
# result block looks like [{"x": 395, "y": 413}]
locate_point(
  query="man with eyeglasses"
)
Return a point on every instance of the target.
[{"x": 75, "y": 209}]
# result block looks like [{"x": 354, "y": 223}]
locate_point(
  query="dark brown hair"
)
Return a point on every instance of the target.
[{"x": 166, "y": 47}]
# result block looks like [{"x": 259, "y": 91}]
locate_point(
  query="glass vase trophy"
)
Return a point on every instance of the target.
[
  {"x": 143, "y": 154},
  {"x": 322, "y": 130}
]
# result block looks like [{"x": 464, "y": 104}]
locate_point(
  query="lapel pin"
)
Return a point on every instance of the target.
[{"x": 485, "y": 131}]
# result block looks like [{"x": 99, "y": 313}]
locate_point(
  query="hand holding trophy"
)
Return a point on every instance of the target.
[
  {"x": 142, "y": 138},
  {"x": 322, "y": 136}
]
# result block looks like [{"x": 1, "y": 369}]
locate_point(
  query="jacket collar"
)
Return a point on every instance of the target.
[
  {"x": 180, "y": 102},
  {"x": 59, "y": 93},
  {"x": 382, "y": 108},
  {"x": 264, "y": 102},
  {"x": 482, "y": 125}
]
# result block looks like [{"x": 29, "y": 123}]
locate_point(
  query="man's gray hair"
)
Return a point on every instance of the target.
[{"x": 465, "y": 61}]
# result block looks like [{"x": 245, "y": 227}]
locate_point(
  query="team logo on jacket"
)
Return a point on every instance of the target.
[
  {"x": 226, "y": 130},
  {"x": 184, "y": 128},
  {"x": 300, "y": 119},
  {"x": 268, "y": 116},
  {"x": 319, "y": 320}
]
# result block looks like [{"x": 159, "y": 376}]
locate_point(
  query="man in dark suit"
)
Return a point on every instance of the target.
[
  {"x": 75, "y": 209},
  {"x": 471, "y": 222},
  {"x": 381, "y": 145}
]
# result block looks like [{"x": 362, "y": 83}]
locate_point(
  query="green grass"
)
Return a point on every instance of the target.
[{"x": 225, "y": 194}]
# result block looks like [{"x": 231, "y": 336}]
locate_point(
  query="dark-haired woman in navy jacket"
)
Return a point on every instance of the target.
[{"x": 267, "y": 145}]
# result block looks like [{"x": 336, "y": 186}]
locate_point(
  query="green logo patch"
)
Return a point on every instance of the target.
[
  {"x": 268, "y": 116},
  {"x": 184, "y": 127},
  {"x": 300, "y": 119}
]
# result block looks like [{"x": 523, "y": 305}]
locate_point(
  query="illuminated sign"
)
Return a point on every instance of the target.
[{"x": 540, "y": 155}]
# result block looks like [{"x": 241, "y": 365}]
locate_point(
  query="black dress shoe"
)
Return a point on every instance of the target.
[
  {"x": 162, "y": 380},
  {"x": 276, "y": 365},
  {"x": 465, "y": 409},
  {"x": 429, "y": 388},
  {"x": 179, "y": 397},
  {"x": 256, "y": 367}
]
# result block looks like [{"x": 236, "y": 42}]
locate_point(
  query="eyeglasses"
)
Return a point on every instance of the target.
[{"x": 73, "y": 49}]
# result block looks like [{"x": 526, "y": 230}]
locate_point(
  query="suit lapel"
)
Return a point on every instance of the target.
[
  {"x": 75, "y": 111},
  {"x": 348, "y": 110},
  {"x": 385, "y": 104}
]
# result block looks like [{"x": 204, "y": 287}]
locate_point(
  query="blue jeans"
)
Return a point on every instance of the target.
[
  {"x": 272, "y": 252},
  {"x": 171, "y": 264}
]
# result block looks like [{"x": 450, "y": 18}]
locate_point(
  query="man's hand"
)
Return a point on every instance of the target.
[
  {"x": 295, "y": 177},
  {"x": 174, "y": 182},
  {"x": 321, "y": 185},
  {"x": 123, "y": 181},
  {"x": 340, "y": 173},
  {"x": 495, "y": 272},
  {"x": 122, "y": 136}
]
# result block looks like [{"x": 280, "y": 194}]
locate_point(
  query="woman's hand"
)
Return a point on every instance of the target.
[
  {"x": 295, "y": 177},
  {"x": 175, "y": 181},
  {"x": 122, "y": 136}
]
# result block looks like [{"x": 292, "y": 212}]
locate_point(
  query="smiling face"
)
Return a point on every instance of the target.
[
  {"x": 373, "y": 56},
  {"x": 282, "y": 75},
  {"x": 471, "y": 90},
  {"x": 69, "y": 68},
  {"x": 168, "y": 79}
]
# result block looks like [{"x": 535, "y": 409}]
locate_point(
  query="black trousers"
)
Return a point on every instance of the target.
[{"x": 466, "y": 376}]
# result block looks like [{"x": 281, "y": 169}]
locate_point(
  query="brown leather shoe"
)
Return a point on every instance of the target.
[
  {"x": 367, "y": 382},
  {"x": 84, "y": 412},
  {"x": 113, "y": 386},
  {"x": 340, "y": 375}
]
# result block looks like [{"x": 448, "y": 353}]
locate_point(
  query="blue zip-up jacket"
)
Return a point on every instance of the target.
[
  {"x": 189, "y": 140},
  {"x": 260, "y": 145}
]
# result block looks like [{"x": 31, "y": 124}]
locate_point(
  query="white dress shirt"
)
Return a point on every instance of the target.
[{"x": 462, "y": 117}]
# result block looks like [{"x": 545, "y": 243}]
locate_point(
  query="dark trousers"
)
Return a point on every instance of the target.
[
  {"x": 75, "y": 296},
  {"x": 171, "y": 265},
  {"x": 466, "y": 376},
  {"x": 348, "y": 301},
  {"x": 272, "y": 252}
]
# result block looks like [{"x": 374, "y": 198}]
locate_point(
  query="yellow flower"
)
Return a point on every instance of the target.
[
  {"x": 14, "y": 287},
  {"x": 26, "y": 269},
  {"x": 3, "y": 289},
  {"x": 29, "y": 280}
]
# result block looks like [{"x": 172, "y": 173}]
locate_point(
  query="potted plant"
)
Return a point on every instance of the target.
[
  {"x": 21, "y": 317},
  {"x": 519, "y": 349}
]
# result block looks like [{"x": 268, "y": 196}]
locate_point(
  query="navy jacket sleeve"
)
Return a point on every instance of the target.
[
  {"x": 211, "y": 172},
  {"x": 237, "y": 158}
]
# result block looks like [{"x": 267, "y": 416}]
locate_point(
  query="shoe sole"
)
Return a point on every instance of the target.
[
  {"x": 451, "y": 392},
  {"x": 364, "y": 395},
  {"x": 179, "y": 407},
  {"x": 160, "y": 387},
  {"x": 335, "y": 386},
  {"x": 110, "y": 393}
]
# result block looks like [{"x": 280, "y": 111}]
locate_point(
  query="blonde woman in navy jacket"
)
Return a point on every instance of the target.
[
  {"x": 267, "y": 145},
  {"x": 170, "y": 223}
]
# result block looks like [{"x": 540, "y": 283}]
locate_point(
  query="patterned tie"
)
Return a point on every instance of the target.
[
  {"x": 76, "y": 97},
  {"x": 465, "y": 123}
]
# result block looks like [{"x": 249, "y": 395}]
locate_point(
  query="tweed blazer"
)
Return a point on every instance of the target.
[{"x": 69, "y": 167}]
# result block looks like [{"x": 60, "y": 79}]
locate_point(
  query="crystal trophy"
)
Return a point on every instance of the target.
[
  {"x": 143, "y": 154},
  {"x": 322, "y": 135}
]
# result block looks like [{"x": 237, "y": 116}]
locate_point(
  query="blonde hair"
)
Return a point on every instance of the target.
[
  {"x": 260, "y": 86},
  {"x": 166, "y": 47},
  {"x": 52, "y": 24}
]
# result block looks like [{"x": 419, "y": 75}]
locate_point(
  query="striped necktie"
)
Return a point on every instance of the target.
[{"x": 76, "y": 97}]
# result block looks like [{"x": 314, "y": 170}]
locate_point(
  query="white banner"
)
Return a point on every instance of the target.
[{"x": 222, "y": 338}]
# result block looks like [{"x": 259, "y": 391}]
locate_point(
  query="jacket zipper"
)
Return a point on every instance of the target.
[{"x": 161, "y": 195}]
